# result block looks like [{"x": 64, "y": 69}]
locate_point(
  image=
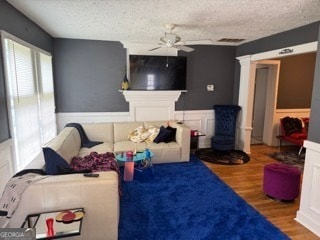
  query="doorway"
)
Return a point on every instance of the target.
[
  {"x": 266, "y": 96},
  {"x": 259, "y": 105},
  {"x": 246, "y": 92}
]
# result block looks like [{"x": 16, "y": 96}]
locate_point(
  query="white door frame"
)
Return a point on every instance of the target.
[
  {"x": 269, "y": 132},
  {"x": 246, "y": 88},
  {"x": 259, "y": 103}
]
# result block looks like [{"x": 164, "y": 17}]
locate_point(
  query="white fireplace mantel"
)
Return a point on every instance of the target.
[{"x": 151, "y": 105}]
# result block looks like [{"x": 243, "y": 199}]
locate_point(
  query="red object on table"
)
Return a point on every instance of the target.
[
  {"x": 50, "y": 231},
  {"x": 129, "y": 156},
  {"x": 68, "y": 217},
  {"x": 129, "y": 167}
]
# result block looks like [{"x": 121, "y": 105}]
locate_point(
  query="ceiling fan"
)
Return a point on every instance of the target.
[{"x": 172, "y": 40}]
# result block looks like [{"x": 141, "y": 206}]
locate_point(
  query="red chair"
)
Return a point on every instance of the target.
[{"x": 294, "y": 130}]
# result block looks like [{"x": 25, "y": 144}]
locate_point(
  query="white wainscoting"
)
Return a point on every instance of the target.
[
  {"x": 309, "y": 211},
  {"x": 6, "y": 163},
  {"x": 202, "y": 120},
  {"x": 281, "y": 113}
]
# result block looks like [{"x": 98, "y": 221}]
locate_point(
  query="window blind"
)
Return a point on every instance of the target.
[
  {"x": 30, "y": 97},
  {"x": 46, "y": 98}
]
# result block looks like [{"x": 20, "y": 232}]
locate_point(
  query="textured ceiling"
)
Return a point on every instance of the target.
[{"x": 143, "y": 20}]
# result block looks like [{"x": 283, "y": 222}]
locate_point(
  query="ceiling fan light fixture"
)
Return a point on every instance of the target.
[
  {"x": 171, "y": 40},
  {"x": 170, "y": 26},
  {"x": 171, "y": 37},
  {"x": 162, "y": 40}
]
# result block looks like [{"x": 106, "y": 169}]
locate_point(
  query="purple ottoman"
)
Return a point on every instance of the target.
[{"x": 281, "y": 181}]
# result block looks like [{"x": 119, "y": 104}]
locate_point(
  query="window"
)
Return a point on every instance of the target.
[{"x": 30, "y": 97}]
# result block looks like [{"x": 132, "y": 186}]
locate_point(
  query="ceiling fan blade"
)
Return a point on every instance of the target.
[
  {"x": 184, "y": 48},
  {"x": 152, "y": 49},
  {"x": 196, "y": 42}
]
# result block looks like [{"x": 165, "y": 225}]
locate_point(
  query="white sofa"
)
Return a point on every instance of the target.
[{"x": 98, "y": 196}]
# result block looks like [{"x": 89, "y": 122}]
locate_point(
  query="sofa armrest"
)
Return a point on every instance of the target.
[
  {"x": 182, "y": 138},
  {"x": 98, "y": 196}
]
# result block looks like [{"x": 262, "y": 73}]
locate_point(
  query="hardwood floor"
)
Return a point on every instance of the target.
[{"x": 246, "y": 181}]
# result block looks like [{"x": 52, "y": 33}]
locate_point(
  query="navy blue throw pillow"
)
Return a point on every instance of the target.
[
  {"x": 172, "y": 135},
  {"x": 54, "y": 162},
  {"x": 166, "y": 135},
  {"x": 162, "y": 135}
]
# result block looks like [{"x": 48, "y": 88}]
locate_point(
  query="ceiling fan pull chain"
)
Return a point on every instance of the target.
[{"x": 167, "y": 65}]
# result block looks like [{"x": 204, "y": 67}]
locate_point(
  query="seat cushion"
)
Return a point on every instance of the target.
[
  {"x": 299, "y": 135},
  {"x": 170, "y": 152},
  {"x": 100, "y": 148},
  {"x": 128, "y": 145}
]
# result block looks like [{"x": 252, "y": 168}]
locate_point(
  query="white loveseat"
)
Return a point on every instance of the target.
[{"x": 98, "y": 196}]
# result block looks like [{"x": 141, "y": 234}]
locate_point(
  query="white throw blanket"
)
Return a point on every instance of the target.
[{"x": 13, "y": 190}]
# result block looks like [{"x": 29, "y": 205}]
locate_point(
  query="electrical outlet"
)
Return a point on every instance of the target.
[{"x": 210, "y": 87}]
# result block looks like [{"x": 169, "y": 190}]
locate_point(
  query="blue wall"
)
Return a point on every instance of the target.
[
  {"x": 314, "y": 129},
  {"x": 88, "y": 76},
  {"x": 208, "y": 65}
]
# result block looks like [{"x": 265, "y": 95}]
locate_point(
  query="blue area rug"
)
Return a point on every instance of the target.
[{"x": 187, "y": 201}]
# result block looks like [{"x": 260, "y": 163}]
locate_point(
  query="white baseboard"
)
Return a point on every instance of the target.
[{"x": 308, "y": 222}]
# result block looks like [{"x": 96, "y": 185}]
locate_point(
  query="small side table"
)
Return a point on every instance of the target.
[
  {"x": 194, "y": 143},
  {"x": 129, "y": 165},
  {"x": 61, "y": 230}
]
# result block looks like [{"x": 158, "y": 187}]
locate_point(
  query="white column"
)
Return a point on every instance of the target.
[
  {"x": 309, "y": 211},
  {"x": 245, "y": 101}
]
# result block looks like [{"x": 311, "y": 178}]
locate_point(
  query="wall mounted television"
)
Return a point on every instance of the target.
[{"x": 158, "y": 72}]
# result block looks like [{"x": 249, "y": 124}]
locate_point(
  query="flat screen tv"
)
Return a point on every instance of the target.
[{"x": 157, "y": 72}]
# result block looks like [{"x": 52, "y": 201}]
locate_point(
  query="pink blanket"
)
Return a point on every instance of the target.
[{"x": 95, "y": 162}]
